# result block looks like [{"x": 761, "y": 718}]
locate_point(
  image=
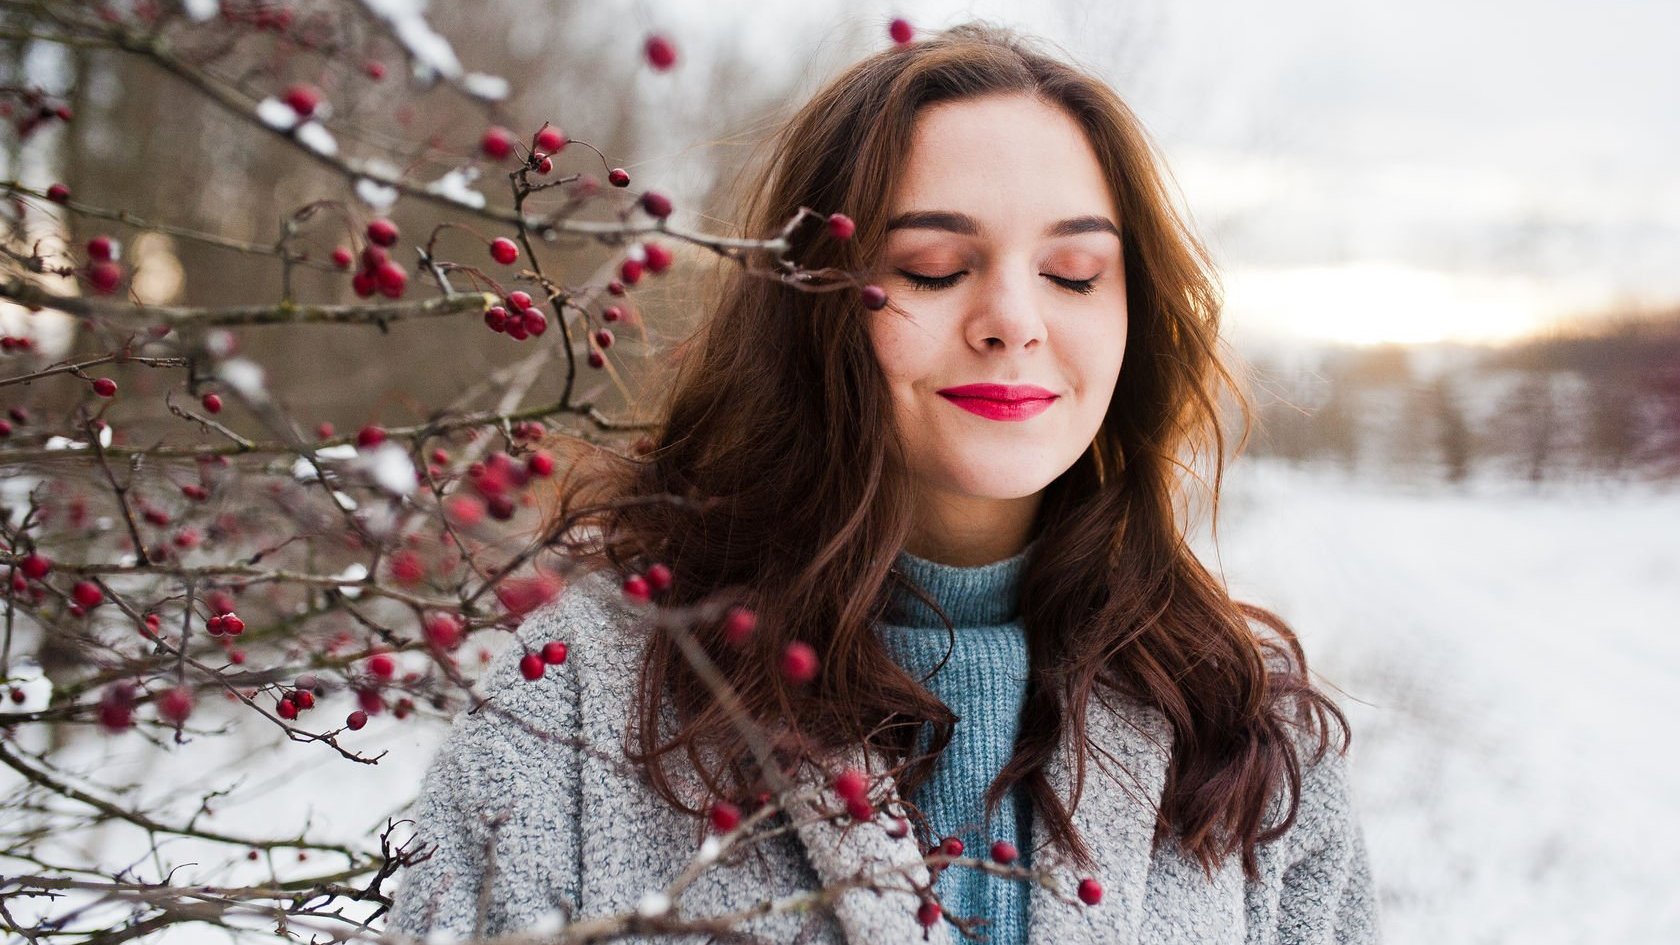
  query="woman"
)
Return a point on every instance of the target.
[{"x": 934, "y": 548}]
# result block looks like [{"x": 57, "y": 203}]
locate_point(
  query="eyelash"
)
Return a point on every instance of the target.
[{"x": 933, "y": 283}]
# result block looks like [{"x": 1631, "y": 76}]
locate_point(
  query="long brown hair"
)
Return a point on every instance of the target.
[{"x": 784, "y": 486}]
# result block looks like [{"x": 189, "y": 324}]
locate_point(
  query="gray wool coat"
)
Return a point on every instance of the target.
[{"x": 537, "y": 827}]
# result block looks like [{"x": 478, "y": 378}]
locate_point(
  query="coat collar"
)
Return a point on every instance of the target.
[{"x": 1125, "y": 773}]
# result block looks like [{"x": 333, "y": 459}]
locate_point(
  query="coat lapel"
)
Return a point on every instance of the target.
[
  {"x": 839, "y": 849},
  {"x": 1116, "y": 818}
]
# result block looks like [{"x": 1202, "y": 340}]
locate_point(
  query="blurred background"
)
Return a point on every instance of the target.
[{"x": 1448, "y": 234}]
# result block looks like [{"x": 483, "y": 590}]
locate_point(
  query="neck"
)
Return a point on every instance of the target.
[{"x": 966, "y": 532}]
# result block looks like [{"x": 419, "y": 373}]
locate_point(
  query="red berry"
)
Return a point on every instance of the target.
[
  {"x": 660, "y": 53},
  {"x": 799, "y": 662},
  {"x": 504, "y": 251},
  {"x": 658, "y": 577},
  {"x": 496, "y": 317},
  {"x": 519, "y": 301},
  {"x": 287, "y": 709},
  {"x": 554, "y": 652},
  {"x": 534, "y": 322},
  {"x": 497, "y": 143},
  {"x": 928, "y": 913},
  {"x": 636, "y": 589},
  {"x": 874, "y": 297},
  {"x": 656, "y": 204},
  {"x": 232, "y": 625},
  {"x": 615, "y": 287},
  {"x": 618, "y": 177},
  {"x": 900, "y": 30},
  {"x": 550, "y": 140},
  {"x": 1090, "y": 891},
  {"x": 545, "y": 163},
  {"x": 87, "y": 594},
  {"x": 373, "y": 257},
  {"x": 443, "y": 631},
  {"x": 725, "y": 816},
  {"x": 36, "y": 566},
  {"x": 304, "y": 698},
  {"x": 382, "y": 665},
  {"x": 370, "y": 701},
  {"x": 101, "y": 247},
  {"x": 382, "y": 232},
  {"x": 531, "y": 666},
  {"x": 374, "y": 69},
  {"x": 116, "y": 706},
  {"x": 1004, "y": 852},
  {"x": 342, "y": 257},
  {"x": 604, "y": 337},
  {"x": 540, "y": 465},
  {"x": 58, "y": 193},
  {"x": 630, "y": 271},
  {"x": 356, "y": 720},
  {"x": 304, "y": 99},
  {"x": 105, "y": 387},
  {"x": 175, "y": 704},
  {"x": 951, "y": 846},
  {"x": 392, "y": 278},
  {"x": 212, "y": 402},
  {"x": 364, "y": 284},
  {"x": 898, "y": 828},
  {"x": 738, "y": 625},
  {"x": 596, "y": 359},
  {"x": 612, "y": 314},
  {"x": 860, "y": 809},
  {"x": 370, "y": 436},
  {"x": 658, "y": 257},
  {"x": 850, "y": 784},
  {"x": 841, "y": 226},
  {"x": 104, "y": 276}
]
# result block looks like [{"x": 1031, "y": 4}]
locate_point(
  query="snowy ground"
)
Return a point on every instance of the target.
[
  {"x": 1510, "y": 665},
  {"x": 1501, "y": 655}
]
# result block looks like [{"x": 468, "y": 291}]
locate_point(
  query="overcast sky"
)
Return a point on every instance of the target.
[{"x": 1369, "y": 171}]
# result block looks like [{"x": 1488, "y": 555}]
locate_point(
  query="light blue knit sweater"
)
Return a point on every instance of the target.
[{"x": 984, "y": 681}]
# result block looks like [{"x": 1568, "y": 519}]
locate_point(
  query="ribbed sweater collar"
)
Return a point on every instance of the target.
[{"x": 984, "y": 595}]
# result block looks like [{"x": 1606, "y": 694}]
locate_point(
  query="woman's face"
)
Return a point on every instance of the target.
[{"x": 1003, "y": 252}]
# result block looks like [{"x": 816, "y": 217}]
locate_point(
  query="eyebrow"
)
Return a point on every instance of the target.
[{"x": 964, "y": 225}]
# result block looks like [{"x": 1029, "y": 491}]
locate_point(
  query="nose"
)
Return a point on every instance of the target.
[{"x": 1006, "y": 314}]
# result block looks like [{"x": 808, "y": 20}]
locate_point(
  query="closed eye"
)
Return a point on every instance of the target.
[{"x": 934, "y": 283}]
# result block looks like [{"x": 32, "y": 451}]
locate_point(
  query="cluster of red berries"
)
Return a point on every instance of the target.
[
  {"x": 10, "y": 343},
  {"x": 853, "y": 789},
  {"x": 518, "y": 317},
  {"x": 228, "y": 623},
  {"x": 297, "y": 699},
  {"x": 498, "y": 143},
  {"x": 379, "y": 272},
  {"x": 640, "y": 588},
  {"x": 535, "y": 662},
  {"x": 32, "y": 110},
  {"x": 103, "y": 271},
  {"x": 499, "y": 475}
]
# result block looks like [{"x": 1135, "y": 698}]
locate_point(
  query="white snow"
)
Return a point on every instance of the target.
[
  {"x": 276, "y": 114},
  {"x": 391, "y": 468},
  {"x": 456, "y": 185},
  {"x": 315, "y": 136},
  {"x": 1510, "y": 670},
  {"x": 490, "y": 88}
]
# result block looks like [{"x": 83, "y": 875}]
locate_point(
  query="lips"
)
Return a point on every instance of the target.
[{"x": 1001, "y": 401}]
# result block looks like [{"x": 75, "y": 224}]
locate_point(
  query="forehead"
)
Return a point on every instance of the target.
[{"x": 1004, "y": 158}]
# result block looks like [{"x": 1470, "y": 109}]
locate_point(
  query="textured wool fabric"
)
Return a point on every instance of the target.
[
  {"x": 533, "y": 820},
  {"x": 978, "y": 668}
]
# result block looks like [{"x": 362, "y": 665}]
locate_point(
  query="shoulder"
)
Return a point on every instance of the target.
[{"x": 521, "y": 718}]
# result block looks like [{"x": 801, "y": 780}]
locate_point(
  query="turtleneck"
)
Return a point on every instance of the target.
[{"x": 979, "y": 670}]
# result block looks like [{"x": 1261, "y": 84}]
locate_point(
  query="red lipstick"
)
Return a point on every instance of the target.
[{"x": 1001, "y": 401}]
